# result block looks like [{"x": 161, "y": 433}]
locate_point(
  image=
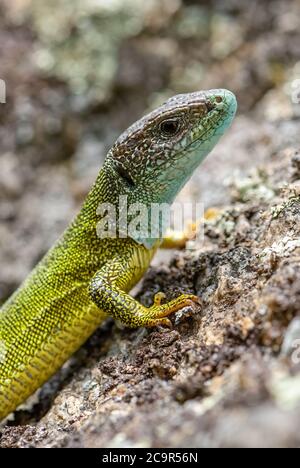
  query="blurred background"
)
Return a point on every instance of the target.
[{"x": 79, "y": 72}]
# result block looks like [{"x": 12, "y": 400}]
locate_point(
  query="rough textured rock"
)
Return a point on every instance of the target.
[{"x": 229, "y": 374}]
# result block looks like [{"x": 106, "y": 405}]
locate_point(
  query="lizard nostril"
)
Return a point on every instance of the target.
[{"x": 219, "y": 99}]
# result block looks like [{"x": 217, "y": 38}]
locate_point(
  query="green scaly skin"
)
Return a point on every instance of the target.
[{"x": 84, "y": 278}]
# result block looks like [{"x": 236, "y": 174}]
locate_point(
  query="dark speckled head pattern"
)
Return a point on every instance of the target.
[{"x": 163, "y": 148}]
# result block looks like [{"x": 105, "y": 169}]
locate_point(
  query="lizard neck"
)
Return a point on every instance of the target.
[{"x": 110, "y": 193}]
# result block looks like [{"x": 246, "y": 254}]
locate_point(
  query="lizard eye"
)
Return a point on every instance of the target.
[{"x": 169, "y": 127}]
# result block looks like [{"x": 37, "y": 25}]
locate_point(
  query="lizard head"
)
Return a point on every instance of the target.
[{"x": 159, "y": 153}]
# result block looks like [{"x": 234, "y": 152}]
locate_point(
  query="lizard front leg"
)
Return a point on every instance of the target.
[{"x": 108, "y": 292}]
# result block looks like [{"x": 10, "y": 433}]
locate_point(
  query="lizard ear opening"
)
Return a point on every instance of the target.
[{"x": 124, "y": 175}]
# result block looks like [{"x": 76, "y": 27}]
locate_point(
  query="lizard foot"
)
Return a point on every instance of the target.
[{"x": 158, "y": 313}]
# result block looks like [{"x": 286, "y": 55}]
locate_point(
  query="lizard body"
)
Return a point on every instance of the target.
[{"x": 84, "y": 278}]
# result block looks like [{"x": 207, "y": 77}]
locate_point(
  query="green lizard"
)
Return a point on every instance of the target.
[{"x": 84, "y": 278}]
